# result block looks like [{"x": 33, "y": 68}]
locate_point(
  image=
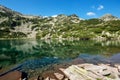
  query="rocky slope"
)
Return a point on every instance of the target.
[
  {"x": 108, "y": 17},
  {"x": 16, "y": 25}
]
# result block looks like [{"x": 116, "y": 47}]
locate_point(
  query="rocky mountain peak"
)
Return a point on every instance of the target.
[
  {"x": 9, "y": 12},
  {"x": 74, "y": 15},
  {"x": 62, "y": 16},
  {"x": 108, "y": 17}
]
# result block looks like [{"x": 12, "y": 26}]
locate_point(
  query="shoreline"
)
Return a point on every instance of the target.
[
  {"x": 55, "y": 68},
  {"x": 58, "y": 69},
  {"x": 50, "y": 74},
  {"x": 60, "y": 39}
]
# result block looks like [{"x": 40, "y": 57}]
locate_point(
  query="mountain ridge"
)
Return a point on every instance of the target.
[
  {"x": 16, "y": 25},
  {"x": 12, "y": 11}
]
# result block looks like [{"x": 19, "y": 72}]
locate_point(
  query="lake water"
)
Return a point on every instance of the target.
[{"x": 32, "y": 54}]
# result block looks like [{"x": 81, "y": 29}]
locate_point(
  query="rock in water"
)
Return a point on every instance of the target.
[{"x": 15, "y": 75}]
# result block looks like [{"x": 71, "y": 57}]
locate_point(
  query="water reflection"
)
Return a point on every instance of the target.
[
  {"x": 110, "y": 43},
  {"x": 115, "y": 58},
  {"x": 17, "y": 51}
]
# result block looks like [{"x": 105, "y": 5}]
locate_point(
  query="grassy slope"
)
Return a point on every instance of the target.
[{"x": 63, "y": 27}]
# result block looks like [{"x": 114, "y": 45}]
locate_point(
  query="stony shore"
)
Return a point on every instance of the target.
[
  {"x": 84, "y": 71},
  {"x": 76, "y": 70}
]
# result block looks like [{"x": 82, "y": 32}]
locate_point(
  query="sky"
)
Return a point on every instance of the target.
[{"x": 83, "y": 8}]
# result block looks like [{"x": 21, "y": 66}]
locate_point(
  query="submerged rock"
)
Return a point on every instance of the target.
[{"x": 15, "y": 75}]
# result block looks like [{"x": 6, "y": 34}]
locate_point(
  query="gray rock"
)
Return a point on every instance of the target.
[
  {"x": 105, "y": 73},
  {"x": 48, "y": 78},
  {"x": 59, "y": 76}
]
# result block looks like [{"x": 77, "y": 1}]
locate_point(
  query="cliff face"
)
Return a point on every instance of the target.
[{"x": 16, "y": 25}]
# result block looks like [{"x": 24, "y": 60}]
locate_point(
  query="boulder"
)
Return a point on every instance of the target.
[
  {"x": 105, "y": 73},
  {"x": 59, "y": 76},
  {"x": 92, "y": 72},
  {"x": 14, "y": 75},
  {"x": 40, "y": 78},
  {"x": 66, "y": 79},
  {"x": 118, "y": 67},
  {"x": 48, "y": 78}
]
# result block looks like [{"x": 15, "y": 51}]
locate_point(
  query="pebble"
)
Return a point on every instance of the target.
[{"x": 59, "y": 76}]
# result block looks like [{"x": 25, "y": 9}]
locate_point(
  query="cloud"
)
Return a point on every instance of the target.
[
  {"x": 100, "y": 7},
  {"x": 45, "y": 16},
  {"x": 54, "y": 15},
  {"x": 90, "y": 14}
]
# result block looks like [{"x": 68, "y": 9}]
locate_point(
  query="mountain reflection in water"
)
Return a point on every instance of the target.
[{"x": 27, "y": 52}]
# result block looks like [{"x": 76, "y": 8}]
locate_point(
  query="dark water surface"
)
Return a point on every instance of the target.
[{"x": 32, "y": 54}]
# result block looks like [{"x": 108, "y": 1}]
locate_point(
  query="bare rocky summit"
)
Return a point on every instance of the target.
[{"x": 109, "y": 17}]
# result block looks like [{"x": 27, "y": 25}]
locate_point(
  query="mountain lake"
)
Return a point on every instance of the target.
[{"x": 40, "y": 55}]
